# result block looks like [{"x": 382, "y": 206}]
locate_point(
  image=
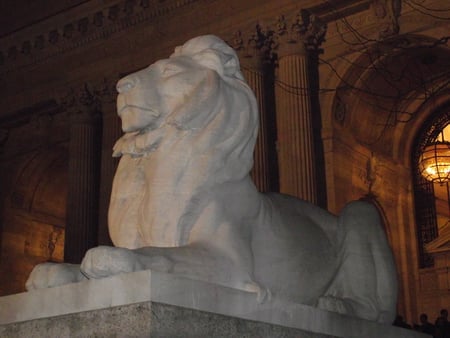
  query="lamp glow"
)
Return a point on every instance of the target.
[{"x": 434, "y": 162}]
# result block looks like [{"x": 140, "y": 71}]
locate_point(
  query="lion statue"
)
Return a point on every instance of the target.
[{"x": 183, "y": 202}]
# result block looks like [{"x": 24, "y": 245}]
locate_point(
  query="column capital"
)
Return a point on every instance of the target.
[
  {"x": 83, "y": 104},
  {"x": 305, "y": 31},
  {"x": 255, "y": 47}
]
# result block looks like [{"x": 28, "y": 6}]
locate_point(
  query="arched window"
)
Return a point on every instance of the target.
[{"x": 431, "y": 199}]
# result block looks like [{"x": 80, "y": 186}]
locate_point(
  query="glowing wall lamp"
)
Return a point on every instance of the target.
[{"x": 434, "y": 162}]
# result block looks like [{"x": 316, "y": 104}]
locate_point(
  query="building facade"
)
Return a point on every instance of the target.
[{"x": 349, "y": 91}]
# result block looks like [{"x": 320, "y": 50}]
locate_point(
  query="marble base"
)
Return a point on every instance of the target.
[{"x": 149, "y": 303}]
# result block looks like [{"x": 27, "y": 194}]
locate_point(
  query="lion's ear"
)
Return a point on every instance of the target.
[
  {"x": 210, "y": 59},
  {"x": 224, "y": 64}
]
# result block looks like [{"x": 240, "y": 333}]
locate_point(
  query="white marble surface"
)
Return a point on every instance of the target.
[
  {"x": 183, "y": 202},
  {"x": 165, "y": 288}
]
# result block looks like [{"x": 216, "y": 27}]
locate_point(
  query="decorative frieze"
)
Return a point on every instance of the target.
[
  {"x": 68, "y": 31},
  {"x": 26, "y": 48},
  {"x": 39, "y": 42},
  {"x": 53, "y": 36},
  {"x": 83, "y": 25},
  {"x": 98, "y": 19},
  {"x": 86, "y": 28}
]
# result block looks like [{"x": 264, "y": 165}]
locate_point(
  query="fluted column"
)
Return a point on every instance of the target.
[
  {"x": 111, "y": 133},
  {"x": 82, "y": 203},
  {"x": 296, "y": 148},
  {"x": 254, "y": 56}
]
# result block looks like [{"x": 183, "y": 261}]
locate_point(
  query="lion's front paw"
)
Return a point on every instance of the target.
[
  {"x": 104, "y": 261},
  {"x": 47, "y": 275}
]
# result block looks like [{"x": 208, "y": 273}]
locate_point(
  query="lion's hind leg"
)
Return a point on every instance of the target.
[{"x": 365, "y": 285}]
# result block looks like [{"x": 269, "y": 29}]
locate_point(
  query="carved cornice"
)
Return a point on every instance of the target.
[{"x": 18, "y": 50}]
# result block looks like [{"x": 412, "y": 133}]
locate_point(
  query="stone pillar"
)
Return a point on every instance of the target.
[
  {"x": 296, "y": 148},
  {"x": 112, "y": 131},
  {"x": 254, "y": 56},
  {"x": 84, "y": 159}
]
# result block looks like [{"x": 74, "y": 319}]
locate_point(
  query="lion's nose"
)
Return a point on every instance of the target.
[{"x": 124, "y": 85}]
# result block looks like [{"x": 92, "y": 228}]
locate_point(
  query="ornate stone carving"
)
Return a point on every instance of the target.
[
  {"x": 53, "y": 36},
  {"x": 83, "y": 25},
  {"x": 340, "y": 110},
  {"x": 53, "y": 238},
  {"x": 305, "y": 29},
  {"x": 26, "y": 48},
  {"x": 113, "y": 13},
  {"x": 262, "y": 42},
  {"x": 39, "y": 42},
  {"x": 129, "y": 9},
  {"x": 83, "y": 104},
  {"x": 106, "y": 91},
  {"x": 40, "y": 121},
  {"x": 98, "y": 19},
  {"x": 145, "y": 3},
  {"x": 256, "y": 45},
  {"x": 68, "y": 31}
]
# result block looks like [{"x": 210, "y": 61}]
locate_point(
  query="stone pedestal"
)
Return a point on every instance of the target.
[{"x": 145, "y": 303}]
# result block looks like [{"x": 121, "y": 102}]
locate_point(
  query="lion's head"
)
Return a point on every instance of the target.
[{"x": 200, "y": 89}]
